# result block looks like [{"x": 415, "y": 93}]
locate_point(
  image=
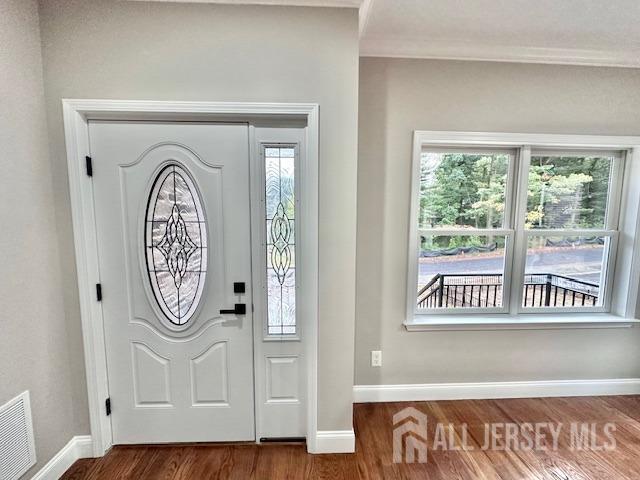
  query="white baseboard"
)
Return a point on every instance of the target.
[
  {"x": 77, "y": 448},
  {"x": 487, "y": 390},
  {"x": 335, "y": 441}
]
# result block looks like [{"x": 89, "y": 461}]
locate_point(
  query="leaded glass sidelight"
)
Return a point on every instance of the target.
[
  {"x": 176, "y": 244},
  {"x": 280, "y": 234}
]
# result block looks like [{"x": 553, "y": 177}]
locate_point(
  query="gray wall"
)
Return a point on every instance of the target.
[
  {"x": 33, "y": 336},
  {"x": 163, "y": 51},
  {"x": 400, "y": 96}
]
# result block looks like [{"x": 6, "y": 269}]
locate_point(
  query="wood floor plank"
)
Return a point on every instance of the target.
[
  {"x": 565, "y": 462},
  {"x": 373, "y": 459},
  {"x": 507, "y": 464}
]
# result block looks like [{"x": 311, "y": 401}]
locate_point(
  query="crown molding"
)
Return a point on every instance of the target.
[
  {"x": 286, "y": 3},
  {"x": 371, "y": 46},
  {"x": 364, "y": 15}
]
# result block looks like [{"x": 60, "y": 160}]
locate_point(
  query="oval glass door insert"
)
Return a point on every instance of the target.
[{"x": 176, "y": 244}]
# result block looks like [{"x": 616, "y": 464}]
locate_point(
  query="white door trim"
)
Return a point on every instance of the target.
[{"x": 77, "y": 114}]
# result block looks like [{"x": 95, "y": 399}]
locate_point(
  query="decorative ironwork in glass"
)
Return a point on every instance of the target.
[
  {"x": 280, "y": 229},
  {"x": 176, "y": 244}
]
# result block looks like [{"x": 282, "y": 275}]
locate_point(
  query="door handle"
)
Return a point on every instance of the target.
[{"x": 238, "y": 309}]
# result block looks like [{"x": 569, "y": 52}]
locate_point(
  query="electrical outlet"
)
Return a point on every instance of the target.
[{"x": 376, "y": 358}]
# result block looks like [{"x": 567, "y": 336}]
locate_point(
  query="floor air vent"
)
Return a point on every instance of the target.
[{"x": 17, "y": 450}]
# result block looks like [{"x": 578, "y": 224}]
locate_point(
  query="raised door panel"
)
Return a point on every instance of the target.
[
  {"x": 282, "y": 379},
  {"x": 151, "y": 377},
  {"x": 210, "y": 376}
]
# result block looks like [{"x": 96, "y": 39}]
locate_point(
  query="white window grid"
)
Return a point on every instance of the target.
[{"x": 513, "y": 229}]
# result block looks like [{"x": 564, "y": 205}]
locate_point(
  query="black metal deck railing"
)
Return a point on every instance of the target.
[{"x": 478, "y": 290}]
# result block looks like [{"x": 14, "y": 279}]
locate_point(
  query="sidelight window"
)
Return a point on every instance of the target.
[{"x": 280, "y": 225}]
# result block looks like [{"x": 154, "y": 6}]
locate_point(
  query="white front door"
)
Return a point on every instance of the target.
[{"x": 173, "y": 235}]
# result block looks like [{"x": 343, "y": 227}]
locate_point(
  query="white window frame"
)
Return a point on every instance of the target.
[
  {"x": 619, "y": 305},
  {"x": 507, "y": 229},
  {"x": 610, "y": 228}
]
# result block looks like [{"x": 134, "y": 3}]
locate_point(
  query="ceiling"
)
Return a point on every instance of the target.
[
  {"x": 586, "y": 32},
  {"x": 581, "y": 32}
]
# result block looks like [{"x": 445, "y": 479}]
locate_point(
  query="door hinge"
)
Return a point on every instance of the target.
[
  {"x": 107, "y": 406},
  {"x": 99, "y": 292},
  {"x": 89, "y": 166}
]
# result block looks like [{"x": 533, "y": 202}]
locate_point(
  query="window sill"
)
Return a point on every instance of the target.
[{"x": 517, "y": 322}]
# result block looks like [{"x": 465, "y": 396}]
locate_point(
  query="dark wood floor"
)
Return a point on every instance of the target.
[{"x": 373, "y": 458}]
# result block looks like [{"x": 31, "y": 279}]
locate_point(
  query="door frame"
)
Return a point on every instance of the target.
[{"x": 77, "y": 113}]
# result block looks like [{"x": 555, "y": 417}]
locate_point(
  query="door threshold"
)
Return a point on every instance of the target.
[
  {"x": 185, "y": 444},
  {"x": 283, "y": 440}
]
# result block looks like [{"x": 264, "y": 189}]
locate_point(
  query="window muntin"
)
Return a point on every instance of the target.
[
  {"x": 584, "y": 209},
  {"x": 280, "y": 212},
  {"x": 176, "y": 244}
]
